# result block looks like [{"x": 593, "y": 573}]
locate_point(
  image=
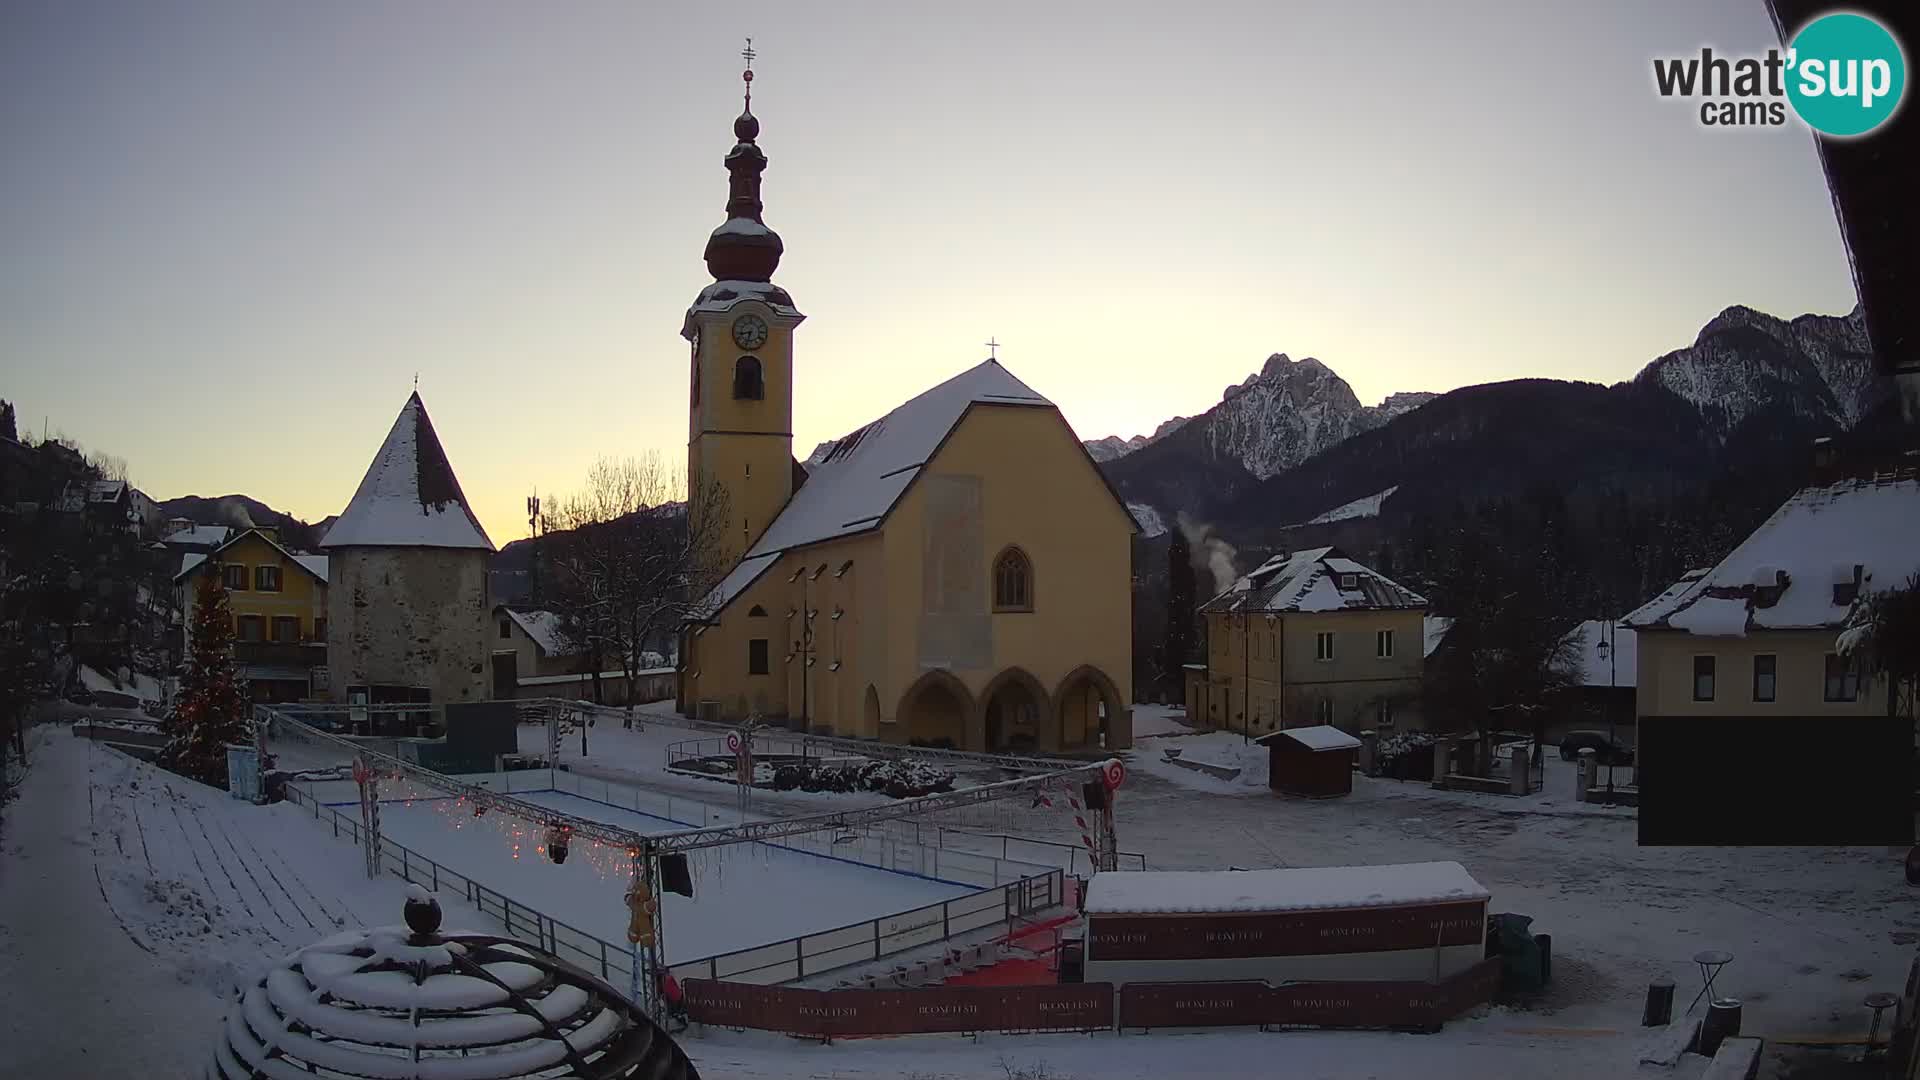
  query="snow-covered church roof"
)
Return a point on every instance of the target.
[
  {"x": 854, "y": 482},
  {"x": 409, "y": 497},
  {"x": 1317, "y": 579},
  {"x": 1809, "y": 545}
]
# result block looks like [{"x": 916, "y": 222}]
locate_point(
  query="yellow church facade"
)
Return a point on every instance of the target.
[{"x": 957, "y": 573}]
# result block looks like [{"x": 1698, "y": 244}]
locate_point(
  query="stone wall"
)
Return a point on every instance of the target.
[{"x": 409, "y": 617}]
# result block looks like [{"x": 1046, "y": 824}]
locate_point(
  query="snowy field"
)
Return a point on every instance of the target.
[
  {"x": 731, "y": 885},
  {"x": 130, "y": 898}
]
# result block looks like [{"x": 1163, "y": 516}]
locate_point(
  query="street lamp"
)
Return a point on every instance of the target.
[{"x": 1608, "y": 652}]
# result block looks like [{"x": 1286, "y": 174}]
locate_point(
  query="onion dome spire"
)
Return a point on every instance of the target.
[{"x": 743, "y": 248}]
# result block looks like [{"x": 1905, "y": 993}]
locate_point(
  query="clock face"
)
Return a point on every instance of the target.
[{"x": 749, "y": 332}]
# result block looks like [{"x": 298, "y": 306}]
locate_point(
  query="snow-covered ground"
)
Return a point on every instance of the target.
[{"x": 1812, "y": 930}]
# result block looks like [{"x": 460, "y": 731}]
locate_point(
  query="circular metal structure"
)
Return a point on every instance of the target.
[{"x": 411, "y": 1003}]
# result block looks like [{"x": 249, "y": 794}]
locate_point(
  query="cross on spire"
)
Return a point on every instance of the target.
[
  {"x": 993, "y": 349},
  {"x": 748, "y": 54}
]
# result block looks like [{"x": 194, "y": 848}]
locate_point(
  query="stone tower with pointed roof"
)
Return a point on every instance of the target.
[
  {"x": 408, "y": 607},
  {"x": 957, "y": 572}
]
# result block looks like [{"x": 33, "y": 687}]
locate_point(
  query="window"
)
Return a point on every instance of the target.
[
  {"x": 1383, "y": 644},
  {"x": 236, "y": 576},
  {"x": 1012, "y": 581},
  {"x": 1349, "y": 581},
  {"x": 286, "y": 628},
  {"x": 1323, "y": 645},
  {"x": 1765, "y": 681},
  {"x": 756, "y": 612},
  {"x": 1383, "y": 713},
  {"x": 748, "y": 384},
  {"x": 319, "y": 629},
  {"x": 1323, "y": 711},
  {"x": 506, "y": 629},
  {"x": 757, "y": 656},
  {"x": 1703, "y": 678},
  {"x": 266, "y": 578},
  {"x": 1843, "y": 680},
  {"x": 252, "y": 628}
]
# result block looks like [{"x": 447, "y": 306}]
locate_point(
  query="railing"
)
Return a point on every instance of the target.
[
  {"x": 1008, "y": 888},
  {"x": 1075, "y": 859},
  {"x": 877, "y": 939},
  {"x": 763, "y": 746},
  {"x": 567, "y": 942}
]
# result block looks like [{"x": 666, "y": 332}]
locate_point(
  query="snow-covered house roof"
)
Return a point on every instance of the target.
[
  {"x": 855, "y": 484},
  {"x": 1311, "y": 580},
  {"x": 545, "y": 629},
  {"x": 1798, "y": 569},
  {"x": 199, "y": 536},
  {"x": 106, "y": 491},
  {"x": 312, "y": 564},
  {"x": 1172, "y": 892},
  {"x": 1617, "y": 668},
  {"x": 1316, "y": 738},
  {"x": 1435, "y": 629},
  {"x": 409, "y": 496}
]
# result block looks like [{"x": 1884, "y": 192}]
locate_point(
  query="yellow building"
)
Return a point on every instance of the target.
[
  {"x": 1758, "y": 634},
  {"x": 1311, "y": 638},
  {"x": 956, "y": 573},
  {"x": 279, "y": 603}
]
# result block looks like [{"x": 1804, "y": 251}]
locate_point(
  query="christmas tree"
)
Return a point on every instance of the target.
[{"x": 211, "y": 710}]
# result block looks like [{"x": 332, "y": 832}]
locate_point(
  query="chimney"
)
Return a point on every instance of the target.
[
  {"x": 1846, "y": 584},
  {"x": 1768, "y": 583},
  {"x": 1826, "y": 460}
]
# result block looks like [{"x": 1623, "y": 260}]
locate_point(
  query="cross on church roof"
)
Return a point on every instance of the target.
[
  {"x": 748, "y": 54},
  {"x": 993, "y": 348}
]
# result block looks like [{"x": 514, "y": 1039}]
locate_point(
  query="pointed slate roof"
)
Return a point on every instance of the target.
[{"x": 409, "y": 497}]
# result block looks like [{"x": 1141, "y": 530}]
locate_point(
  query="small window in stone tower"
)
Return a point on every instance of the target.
[
  {"x": 1012, "y": 581},
  {"x": 747, "y": 382}
]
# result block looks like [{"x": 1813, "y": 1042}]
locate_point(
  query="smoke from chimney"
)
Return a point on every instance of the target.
[
  {"x": 1211, "y": 554},
  {"x": 237, "y": 516}
]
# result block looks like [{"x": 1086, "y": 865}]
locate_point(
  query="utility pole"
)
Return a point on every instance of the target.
[
  {"x": 1613, "y": 709},
  {"x": 533, "y": 532},
  {"x": 1246, "y": 675}
]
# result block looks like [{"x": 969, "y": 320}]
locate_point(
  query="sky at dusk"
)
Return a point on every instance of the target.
[{"x": 235, "y": 232}]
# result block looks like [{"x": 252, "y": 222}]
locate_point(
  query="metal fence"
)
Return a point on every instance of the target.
[
  {"x": 1074, "y": 859},
  {"x": 567, "y": 942},
  {"x": 1009, "y": 888}
]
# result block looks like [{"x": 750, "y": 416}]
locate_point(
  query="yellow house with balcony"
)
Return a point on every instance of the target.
[
  {"x": 1308, "y": 638},
  {"x": 278, "y": 599}
]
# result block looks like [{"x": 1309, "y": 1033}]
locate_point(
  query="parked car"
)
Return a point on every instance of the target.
[{"x": 1615, "y": 752}]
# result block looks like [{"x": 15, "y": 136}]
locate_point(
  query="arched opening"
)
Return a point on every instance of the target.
[
  {"x": 756, "y": 612},
  {"x": 748, "y": 383},
  {"x": 1089, "y": 710},
  {"x": 1012, "y": 581},
  {"x": 1015, "y": 708},
  {"x": 870, "y": 713},
  {"x": 934, "y": 711}
]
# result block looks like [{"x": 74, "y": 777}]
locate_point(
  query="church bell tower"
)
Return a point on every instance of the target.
[{"x": 740, "y": 412}]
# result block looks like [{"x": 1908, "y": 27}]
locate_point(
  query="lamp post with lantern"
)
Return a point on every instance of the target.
[{"x": 1608, "y": 650}]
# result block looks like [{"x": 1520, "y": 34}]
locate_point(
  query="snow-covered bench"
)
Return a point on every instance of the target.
[
  {"x": 1222, "y": 772},
  {"x": 1737, "y": 1059}
]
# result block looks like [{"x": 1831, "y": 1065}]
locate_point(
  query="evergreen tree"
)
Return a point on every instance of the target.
[
  {"x": 1179, "y": 648},
  {"x": 9, "y": 429},
  {"x": 211, "y": 711}
]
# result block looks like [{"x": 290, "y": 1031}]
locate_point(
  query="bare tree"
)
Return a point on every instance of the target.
[{"x": 633, "y": 555}]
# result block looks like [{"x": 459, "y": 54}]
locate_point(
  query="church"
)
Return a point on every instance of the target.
[{"x": 957, "y": 573}]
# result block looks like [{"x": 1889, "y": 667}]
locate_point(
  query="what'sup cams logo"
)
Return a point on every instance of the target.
[{"x": 1843, "y": 75}]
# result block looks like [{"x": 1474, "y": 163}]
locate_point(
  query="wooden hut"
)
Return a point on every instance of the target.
[{"x": 1316, "y": 762}]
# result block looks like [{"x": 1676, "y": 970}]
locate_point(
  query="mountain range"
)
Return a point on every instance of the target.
[{"x": 1292, "y": 443}]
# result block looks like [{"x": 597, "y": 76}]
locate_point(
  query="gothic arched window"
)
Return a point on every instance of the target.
[
  {"x": 1012, "y": 581},
  {"x": 747, "y": 382}
]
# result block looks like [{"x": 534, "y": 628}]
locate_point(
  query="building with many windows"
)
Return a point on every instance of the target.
[
  {"x": 957, "y": 572},
  {"x": 278, "y": 599},
  {"x": 1310, "y": 638},
  {"x": 1758, "y": 633}
]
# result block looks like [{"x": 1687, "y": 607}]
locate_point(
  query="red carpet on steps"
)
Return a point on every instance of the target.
[{"x": 1019, "y": 971}]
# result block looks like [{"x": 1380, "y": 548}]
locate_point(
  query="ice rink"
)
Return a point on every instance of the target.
[{"x": 744, "y": 894}]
